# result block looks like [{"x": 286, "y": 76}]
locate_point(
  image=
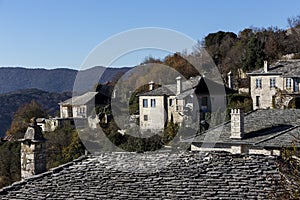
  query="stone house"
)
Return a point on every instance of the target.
[
  {"x": 78, "y": 106},
  {"x": 78, "y": 110},
  {"x": 158, "y": 106},
  {"x": 258, "y": 132},
  {"x": 47, "y": 125},
  {"x": 188, "y": 99},
  {"x": 75, "y": 110},
  {"x": 50, "y": 124},
  {"x": 276, "y": 85}
]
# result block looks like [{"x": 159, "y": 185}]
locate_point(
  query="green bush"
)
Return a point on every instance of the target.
[{"x": 10, "y": 163}]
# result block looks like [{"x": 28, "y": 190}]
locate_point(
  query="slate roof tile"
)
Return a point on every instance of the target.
[
  {"x": 223, "y": 176},
  {"x": 80, "y": 100},
  {"x": 287, "y": 68},
  {"x": 259, "y": 126}
]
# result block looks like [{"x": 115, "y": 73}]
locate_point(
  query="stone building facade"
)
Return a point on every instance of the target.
[
  {"x": 78, "y": 106},
  {"x": 186, "y": 100},
  {"x": 281, "y": 78},
  {"x": 153, "y": 115},
  {"x": 158, "y": 106}
]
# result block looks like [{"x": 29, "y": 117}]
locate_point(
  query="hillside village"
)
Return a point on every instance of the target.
[
  {"x": 150, "y": 100},
  {"x": 246, "y": 139},
  {"x": 193, "y": 137}
]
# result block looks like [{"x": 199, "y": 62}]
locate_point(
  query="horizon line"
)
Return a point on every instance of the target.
[{"x": 63, "y": 67}]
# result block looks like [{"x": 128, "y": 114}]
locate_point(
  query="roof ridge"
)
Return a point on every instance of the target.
[{"x": 276, "y": 135}]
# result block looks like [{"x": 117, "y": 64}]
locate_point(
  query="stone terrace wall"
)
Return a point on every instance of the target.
[{"x": 191, "y": 176}]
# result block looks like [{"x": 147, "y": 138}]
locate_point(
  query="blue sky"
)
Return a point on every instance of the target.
[{"x": 50, "y": 34}]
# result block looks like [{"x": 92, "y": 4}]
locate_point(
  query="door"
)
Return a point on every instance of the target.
[{"x": 257, "y": 101}]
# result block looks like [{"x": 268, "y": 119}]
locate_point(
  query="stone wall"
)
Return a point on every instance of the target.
[
  {"x": 33, "y": 159},
  {"x": 265, "y": 93},
  {"x": 237, "y": 149}
]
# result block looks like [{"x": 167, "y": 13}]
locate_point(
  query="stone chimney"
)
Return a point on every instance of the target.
[
  {"x": 237, "y": 124},
  {"x": 179, "y": 85},
  {"x": 33, "y": 151},
  {"x": 266, "y": 67},
  {"x": 230, "y": 80},
  {"x": 151, "y": 85}
]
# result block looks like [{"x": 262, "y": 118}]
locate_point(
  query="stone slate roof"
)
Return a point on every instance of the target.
[
  {"x": 80, "y": 100},
  {"x": 195, "y": 84},
  {"x": 191, "y": 176},
  {"x": 170, "y": 90},
  {"x": 281, "y": 140},
  {"x": 8, "y": 138},
  {"x": 259, "y": 126},
  {"x": 186, "y": 93},
  {"x": 161, "y": 91},
  {"x": 286, "y": 68}
]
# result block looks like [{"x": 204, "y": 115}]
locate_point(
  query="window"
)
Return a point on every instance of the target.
[
  {"x": 288, "y": 83},
  {"x": 145, "y": 103},
  {"x": 82, "y": 110},
  {"x": 258, "y": 83},
  {"x": 153, "y": 103},
  {"x": 272, "y": 82},
  {"x": 296, "y": 85},
  {"x": 257, "y": 101},
  {"x": 145, "y": 117},
  {"x": 170, "y": 102}
]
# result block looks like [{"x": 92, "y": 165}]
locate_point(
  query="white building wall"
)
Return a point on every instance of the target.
[
  {"x": 152, "y": 118},
  {"x": 238, "y": 150},
  {"x": 49, "y": 125},
  {"x": 195, "y": 148},
  {"x": 65, "y": 112},
  {"x": 79, "y": 111}
]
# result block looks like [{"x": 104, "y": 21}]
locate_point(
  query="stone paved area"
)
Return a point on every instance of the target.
[{"x": 190, "y": 176}]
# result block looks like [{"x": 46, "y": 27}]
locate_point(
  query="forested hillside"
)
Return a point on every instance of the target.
[
  {"x": 10, "y": 102},
  {"x": 241, "y": 52},
  {"x": 248, "y": 49}
]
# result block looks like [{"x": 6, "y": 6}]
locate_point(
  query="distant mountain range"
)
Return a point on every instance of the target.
[{"x": 54, "y": 80}]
